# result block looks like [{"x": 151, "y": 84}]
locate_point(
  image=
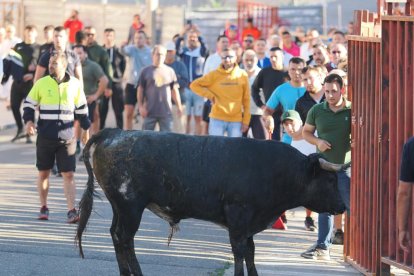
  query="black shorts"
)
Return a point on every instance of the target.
[
  {"x": 130, "y": 94},
  {"x": 91, "y": 111},
  {"x": 64, "y": 152}
]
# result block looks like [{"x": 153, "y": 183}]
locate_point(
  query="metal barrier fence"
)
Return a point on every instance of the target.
[
  {"x": 381, "y": 75},
  {"x": 264, "y": 16},
  {"x": 398, "y": 125}
]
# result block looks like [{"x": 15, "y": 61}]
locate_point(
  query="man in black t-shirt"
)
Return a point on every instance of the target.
[
  {"x": 268, "y": 80},
  {"x": 28, "y": 51},
  {"x": 60, "y": 43},
  {"x": 404, "y": 197}
]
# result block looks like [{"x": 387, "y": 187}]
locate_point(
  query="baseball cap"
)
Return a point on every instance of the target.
[
  {"x": 291, "y": 115},
  {"x": 170, "y": 46}
]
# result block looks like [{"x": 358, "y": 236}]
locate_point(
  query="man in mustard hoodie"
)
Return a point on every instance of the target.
[{"x": 228, "y": 89}]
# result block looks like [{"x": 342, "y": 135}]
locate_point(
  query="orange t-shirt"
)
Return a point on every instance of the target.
[{"x": 253, "y": 32}]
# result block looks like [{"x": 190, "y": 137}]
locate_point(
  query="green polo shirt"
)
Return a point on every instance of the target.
[
  {"x": 335, "y": 128},
  {"x": 91, "y": 72}
]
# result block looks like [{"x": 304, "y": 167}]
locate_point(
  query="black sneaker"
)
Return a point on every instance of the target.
[
  {"x": 19, "y": 135},
  {"x": 310, "y": 224},
  {"x": 44, "y": 213},
  {"x": 316, "y": 253},
  {"x": 338, "y": 237},
  {"x": 73, "y": 216}
]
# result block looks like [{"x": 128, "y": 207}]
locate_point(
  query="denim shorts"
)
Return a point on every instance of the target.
[
  {"x": 193, "y": 103},
  {"x": 219, "y": 127}
]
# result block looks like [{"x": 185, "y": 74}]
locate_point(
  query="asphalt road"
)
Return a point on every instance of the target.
[{"x": 32, "y": 247}]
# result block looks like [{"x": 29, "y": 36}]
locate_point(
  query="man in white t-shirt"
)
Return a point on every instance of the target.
[{"x": 292, "y": 124}]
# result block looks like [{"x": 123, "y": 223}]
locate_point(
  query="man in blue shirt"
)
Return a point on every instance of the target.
[{"x": 287, "y": 94}]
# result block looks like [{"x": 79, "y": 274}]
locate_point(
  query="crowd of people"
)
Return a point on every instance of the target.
[{"x": 282, "y": 87}]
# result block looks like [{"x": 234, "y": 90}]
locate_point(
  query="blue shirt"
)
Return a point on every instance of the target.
[
  {"x": 264, "y": 63},
  {"x": 286, "y": 95}
]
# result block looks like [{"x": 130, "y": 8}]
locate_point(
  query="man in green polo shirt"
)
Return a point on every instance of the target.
[
  {"x": 94, "y": 83},
  {"x": 332, "y": 121}
]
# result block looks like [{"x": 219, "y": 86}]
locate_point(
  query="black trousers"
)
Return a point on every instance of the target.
[
  {"x": 117, "y": 105},
  {"x": 258, "y": 128},
  {"x": 19, "y": 92}
]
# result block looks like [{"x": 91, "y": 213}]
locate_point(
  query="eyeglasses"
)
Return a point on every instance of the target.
[
  {"x": 248, "y": 40},
  {"x": 226, "y": 57},
  {"x": 336, "y": 52}
]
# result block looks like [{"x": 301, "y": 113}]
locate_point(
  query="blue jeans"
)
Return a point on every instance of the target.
[
  {"x": 325, "y": 220},
  {"x": 165, "y": 123},
  {"x": 219, "y": 127}
]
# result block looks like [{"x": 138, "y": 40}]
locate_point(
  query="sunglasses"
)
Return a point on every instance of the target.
[
  {"x": 90, "y": 34},
  {"x": 336, "y": 52},
  {"x": 226, "y": 57},
  {"x": 248, "y": 40}
]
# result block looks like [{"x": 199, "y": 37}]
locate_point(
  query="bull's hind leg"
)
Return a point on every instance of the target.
[{"x": 125, "y": 223}]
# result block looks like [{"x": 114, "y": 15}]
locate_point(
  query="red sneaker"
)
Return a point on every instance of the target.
[{"x": 44, "y": 213}]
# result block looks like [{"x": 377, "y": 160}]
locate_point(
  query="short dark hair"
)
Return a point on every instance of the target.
[
  {"x": 59, "y": 29},
  {"x": 310, "y": 68},
  {"x": 81, "y": 46},
  {"x": 220, "y": 37},
  {"x": 109, "y": 30},
  {"x": 48, "y": 28},
  {"x": 339, "y": 33},
  {"x": 250, "y": 19},
  {"x": 296, "y": 60},
  {"x": 30, "y": 28},
  {"x": 141, "y": 32},
  {"x": 79, "y": 36},
  {"x": 334, "y": 78},
  {"x": 274, "y": 49}
]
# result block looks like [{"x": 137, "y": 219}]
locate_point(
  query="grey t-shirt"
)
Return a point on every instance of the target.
[{"x": 157, "y": 83}]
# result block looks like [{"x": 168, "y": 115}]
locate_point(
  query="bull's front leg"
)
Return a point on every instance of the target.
[
  {"x": 251, "y": 267},
  {"x": 239, "y": 248}
]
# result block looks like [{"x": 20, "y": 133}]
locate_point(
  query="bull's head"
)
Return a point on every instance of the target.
[{"x": 322, "y": 194}]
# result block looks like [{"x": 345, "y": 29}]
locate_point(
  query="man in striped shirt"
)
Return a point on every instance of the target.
[{"x": 60, "y": 99}]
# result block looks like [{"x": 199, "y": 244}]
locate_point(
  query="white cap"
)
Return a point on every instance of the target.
[{"x": 170, "y": 46}]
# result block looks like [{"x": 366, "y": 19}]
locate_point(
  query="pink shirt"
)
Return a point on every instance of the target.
[{"x": 294, "y": 50}]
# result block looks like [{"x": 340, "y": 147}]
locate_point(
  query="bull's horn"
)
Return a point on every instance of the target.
[{"x": 330, "y": 166}]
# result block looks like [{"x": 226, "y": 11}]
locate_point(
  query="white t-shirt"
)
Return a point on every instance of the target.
[
  {"x": 212, "y": 63},
  {"x": 303, "y": 146}
]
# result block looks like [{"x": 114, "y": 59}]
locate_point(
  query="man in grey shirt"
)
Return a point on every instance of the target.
[
  {"x": 139, "y": 57},
  {"x": 156, "y": 86}
]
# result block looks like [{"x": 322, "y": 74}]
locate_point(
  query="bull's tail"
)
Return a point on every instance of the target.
[{"x": 86, "y": 203}]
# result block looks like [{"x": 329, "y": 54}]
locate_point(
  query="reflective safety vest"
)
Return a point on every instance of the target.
[{"x": 59, "y": 105}]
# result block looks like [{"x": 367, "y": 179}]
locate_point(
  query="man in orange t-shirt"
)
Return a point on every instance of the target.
[
  {"x": 73, "y": 25},
  {"x": 250, "y": 29}
]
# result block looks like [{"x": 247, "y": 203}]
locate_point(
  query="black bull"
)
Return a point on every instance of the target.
[{"x": 238, "y": 183}]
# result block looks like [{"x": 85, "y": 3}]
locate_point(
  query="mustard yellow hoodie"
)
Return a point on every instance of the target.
[{"x": 230, "y": 92}]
